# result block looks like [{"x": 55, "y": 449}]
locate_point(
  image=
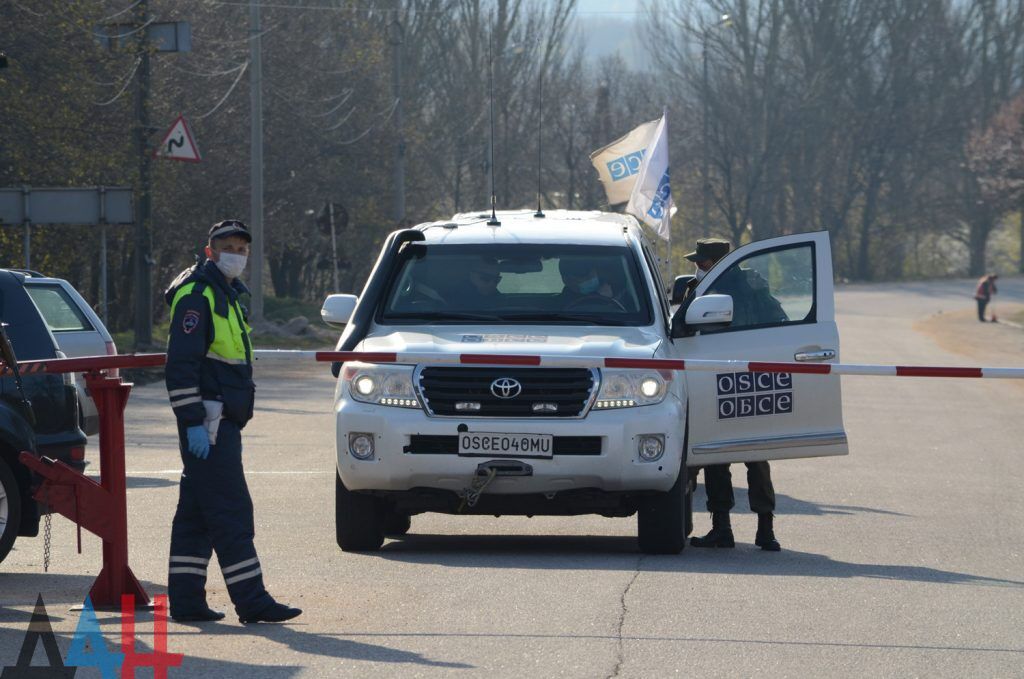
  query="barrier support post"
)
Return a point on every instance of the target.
[{"x": 116, "y": 578}]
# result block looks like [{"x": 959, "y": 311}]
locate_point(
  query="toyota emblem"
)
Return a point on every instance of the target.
[{"x": 506, "y": 387}]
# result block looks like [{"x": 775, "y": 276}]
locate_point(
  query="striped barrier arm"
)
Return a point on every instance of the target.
[
  {"x": 537, "y": 360},
  {"x": 91, "y": 363}
]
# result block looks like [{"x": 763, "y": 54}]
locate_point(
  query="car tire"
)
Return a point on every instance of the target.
[
  {"x": 690, "y": 488},
  {"x": 358, "y": 519},
  {"x": 396, "y": 523},
  {"x": 662, "y": 518},
  {"x": 10, "y": 509}
]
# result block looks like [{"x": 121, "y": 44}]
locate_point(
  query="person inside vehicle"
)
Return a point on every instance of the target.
[{"x": 484, "y": 277}]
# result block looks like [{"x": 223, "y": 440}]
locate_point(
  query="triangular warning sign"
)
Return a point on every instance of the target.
[{"x": 178, "y": 143}]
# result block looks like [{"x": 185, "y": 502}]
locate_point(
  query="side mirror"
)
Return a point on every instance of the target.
[
  {"x": 337, "y": 309},
  {"x": 679, "y": 288},
  {"x": 709, "y": 311}
]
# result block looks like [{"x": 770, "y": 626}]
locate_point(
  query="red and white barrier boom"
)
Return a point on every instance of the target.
[
  {"x": 643, "y": 363},
  {"x": 102, "y": 507}
]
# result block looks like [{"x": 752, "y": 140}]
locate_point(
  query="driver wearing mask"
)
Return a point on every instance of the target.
[{"x": 579, "y": 277}]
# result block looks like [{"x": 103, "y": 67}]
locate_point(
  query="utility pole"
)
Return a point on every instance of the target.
[
  {"x": 395, "y": 30},
  {"x": 256, "y": 157},
  {"x": 705, "y": 228},
  {"x": 143, "y": 257},
  {"x": 724, "y": 20}
]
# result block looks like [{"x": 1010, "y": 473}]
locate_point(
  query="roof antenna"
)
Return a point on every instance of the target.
[
  {"x": 539, "y": 214},
  {"x": 493, "y": 221}
]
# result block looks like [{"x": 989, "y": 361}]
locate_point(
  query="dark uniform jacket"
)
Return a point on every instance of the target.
[{"x": 194, "y": 371}]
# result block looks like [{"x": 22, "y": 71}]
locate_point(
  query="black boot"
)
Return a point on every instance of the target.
[
  {"x": 275, "y": 612},
  {"x": 206, "y": 615},
  {"x": 720, "y": 534},
  {"x": 765, "y": 538}
]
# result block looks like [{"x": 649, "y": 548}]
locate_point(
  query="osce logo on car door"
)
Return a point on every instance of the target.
[{"x": 749, "y": 394}]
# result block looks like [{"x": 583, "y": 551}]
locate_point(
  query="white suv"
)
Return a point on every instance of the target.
[{"x": 421, "y": 431}]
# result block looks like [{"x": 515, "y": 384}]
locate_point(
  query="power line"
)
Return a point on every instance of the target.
[
  {"x": 372, "y": 127},
  {"x": 343, "y": 120},
  {"x": 241, "y": 71},
  {"x": 120, "y": 12},
  {"x": 127, "y": 81},
  {"x": 207, "y": 74}
]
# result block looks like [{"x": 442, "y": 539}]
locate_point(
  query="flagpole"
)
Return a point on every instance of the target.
[{"x": 668, "y": 216}]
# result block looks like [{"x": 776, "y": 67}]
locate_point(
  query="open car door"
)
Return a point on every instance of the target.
[{"x": 783, "y": 310}]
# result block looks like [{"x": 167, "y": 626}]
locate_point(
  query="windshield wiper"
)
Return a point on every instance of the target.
[
  {"x": 439, "y": 316},
  {"x": 572, "y": 318}
]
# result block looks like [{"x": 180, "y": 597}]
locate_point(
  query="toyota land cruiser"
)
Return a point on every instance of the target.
[{"x": 526, "y": 439}]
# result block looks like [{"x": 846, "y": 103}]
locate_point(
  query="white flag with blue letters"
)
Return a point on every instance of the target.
[
  {"x": 651, "y": 200},
  {"x": 618, "y": 163}
]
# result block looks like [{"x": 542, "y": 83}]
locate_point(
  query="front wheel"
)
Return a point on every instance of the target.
[
  {"x": 10, "y": 509},
  {"x": 662, "y": 518},
  {"x": 358, "y": 519},
  {"x": 396, "y": 523}
]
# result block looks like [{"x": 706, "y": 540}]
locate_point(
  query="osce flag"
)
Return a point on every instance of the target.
[
  {"x": 618, "y": 163},
  {"x": 651, "y": 199}
]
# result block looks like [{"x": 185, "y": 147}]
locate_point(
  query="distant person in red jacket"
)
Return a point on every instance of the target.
[{"x": 983, "y": 294}]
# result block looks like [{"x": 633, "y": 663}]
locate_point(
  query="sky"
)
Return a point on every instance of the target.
[
  {"x": 609, "y": 27},
  {"x": 622, "y": 9}
]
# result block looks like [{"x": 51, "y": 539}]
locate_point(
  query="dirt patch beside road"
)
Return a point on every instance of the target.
[{"x": 987, "y": 344}]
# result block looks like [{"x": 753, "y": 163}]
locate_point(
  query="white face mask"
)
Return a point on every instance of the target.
[
  {"x": 231, "y": 265},
  {"x": 699, "y": 274}
]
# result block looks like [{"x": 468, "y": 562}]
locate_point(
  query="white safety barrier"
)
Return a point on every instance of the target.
[{"x": 538, "y": 360}]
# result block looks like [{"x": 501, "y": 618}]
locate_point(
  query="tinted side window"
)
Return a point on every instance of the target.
[
  {"x": 28, "y": 333},
  {"x": 770, "y": 288},
  {"x": 58, "y": 309}
]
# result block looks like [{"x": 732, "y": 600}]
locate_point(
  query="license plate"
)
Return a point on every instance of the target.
[{"x": 488, "y": 444}]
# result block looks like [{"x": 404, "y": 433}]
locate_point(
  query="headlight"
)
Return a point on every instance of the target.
[
  {"x": 630, "y": 388},
  {"x": 386, "y": 385}
]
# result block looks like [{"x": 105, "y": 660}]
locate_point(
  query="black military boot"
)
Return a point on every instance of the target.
[
  {"x": 720, "y": 534},
  {"x": 765, "y": 538}
]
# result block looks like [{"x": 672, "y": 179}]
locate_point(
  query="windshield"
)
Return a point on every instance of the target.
[{"x": 529, "y": 284}]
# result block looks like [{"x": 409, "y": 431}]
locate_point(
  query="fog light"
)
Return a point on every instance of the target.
[
  {"x": 360, "y": 445},
  {"x": 651, "y": 447}
]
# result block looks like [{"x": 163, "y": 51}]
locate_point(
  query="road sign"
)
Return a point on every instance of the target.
[
  {"x": 178, "y": 143},
  {"x": 323, "y": 219},
  {"x": 66, "y": 205}
]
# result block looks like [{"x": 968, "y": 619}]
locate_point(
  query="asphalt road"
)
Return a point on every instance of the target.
[{"x": 902, "y": 559}]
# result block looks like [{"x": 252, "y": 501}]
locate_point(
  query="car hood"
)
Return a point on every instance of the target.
[{"x": 534, "y": 340}]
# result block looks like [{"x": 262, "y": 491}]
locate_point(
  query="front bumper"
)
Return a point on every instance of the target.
[{"x": 618, "y": 466}]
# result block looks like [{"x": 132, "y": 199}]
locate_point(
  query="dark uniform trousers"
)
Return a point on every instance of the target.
[
  {"x": 215, "y": 513},
  {"x": 718, "y": 485}
]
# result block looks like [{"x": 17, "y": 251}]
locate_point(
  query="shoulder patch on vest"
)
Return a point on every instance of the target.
[{"x": 190, "y": 321}]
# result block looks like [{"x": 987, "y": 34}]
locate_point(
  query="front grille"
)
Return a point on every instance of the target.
[
  {"x": 422, "y": 444},
  {"x": 560, "y": 392}
]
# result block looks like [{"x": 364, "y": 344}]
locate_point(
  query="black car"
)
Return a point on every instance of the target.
[{"x": 53, "y": 400}]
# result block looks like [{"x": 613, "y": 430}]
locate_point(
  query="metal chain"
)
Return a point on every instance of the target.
[
  {"x": 471, "y": 495},
  {"x": 47, "y": 521}
]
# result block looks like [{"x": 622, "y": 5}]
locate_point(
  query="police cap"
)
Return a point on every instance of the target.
[{"x": 230, "y": 227}]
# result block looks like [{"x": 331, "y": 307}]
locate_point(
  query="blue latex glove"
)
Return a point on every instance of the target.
[{"x": 198, "y": 441}]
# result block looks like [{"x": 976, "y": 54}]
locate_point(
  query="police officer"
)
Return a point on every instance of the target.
[
  {"x": 752, "y": 305},
  {"x": 209, "y": 382}
]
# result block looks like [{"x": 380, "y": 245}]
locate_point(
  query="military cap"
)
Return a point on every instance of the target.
[{"x": 710, "y": 248}]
